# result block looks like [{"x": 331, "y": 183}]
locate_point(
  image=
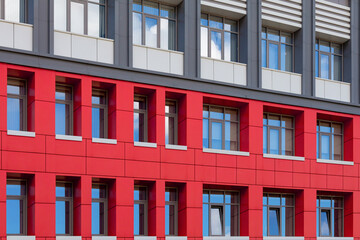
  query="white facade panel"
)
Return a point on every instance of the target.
[
  {"x": 23, "y": 37},
  {"x": 223, "y": 71},
  {"x": 230, "y": 8},
  {"x": 7, "y": 34},
  {"x": 83, "y": 47},
  {"x": 281, "y": 81},
  {"x": 105, "y": 51},
  {"x": 282, "y": 14},
  {"x": 332, "y": 21},
  {"x": 266, "y": 78},
  {"x": 334, "y": 90},
  {"x": 296, "y": 84},
  {"x": 320, "y": 88},
  {"x": 345, "y": 92},
  {"x": 62, "y": 44},
  {"x": 156, "y": 59}
]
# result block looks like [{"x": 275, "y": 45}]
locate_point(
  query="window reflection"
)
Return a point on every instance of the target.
[
  {"x": 99, "y": 209},
  {"x": 329, "y": 215},
  {"x": 64, "y": 208},
  {"x": 329, "y": 140},
  {"x": 140, "y": 210},
  {"x": 16, "y": 207},
  {"x": 328, "y": 60},
  {"x": 140, "y": 118},
  {"x": 63, "y": 109},
  {"x": 16, "y": 104},
  {"x": 15, "y": 10}
]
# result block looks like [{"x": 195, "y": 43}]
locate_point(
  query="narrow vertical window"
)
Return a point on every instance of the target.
[
  {"x": 99, "y": 114},
  {"x": 15, "y": 10},
  {"x": 329, "y": 60},
  {"x": 60, "y": 15},
  {"x": 330, "y": 216},
  {"x": 278, "y": 134},
  {"x": 171, "y": 115},
  {"x": 140, "y": 210},
  {"x": 16, "y": 207},
  {"x": 64, "y": 110},
  {"x": 99, "y": 209},
  {"x": 64, "y": 208},
  {"x": 140, "y": 118},
  {"x": 96, "y": 18},
  {"x": 278, "y": 214},
  {"x": 171, "y": 210},
  {"x": 16, "y": 105},
  {"x": 329, "y": 140},
  {"x": 77, "y": 17}
]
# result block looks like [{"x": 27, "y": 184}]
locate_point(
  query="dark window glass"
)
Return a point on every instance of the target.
[
  {"x": 99, "y": 114},
  {"x": 99, "y": 209},
  {"x": 330, "y": 216},
  {"x": 171, "y": 122},
  {"x": 63, "y": 110},
  {"x": 64, "y": 208},
  {"x": 171, "y": 210},
  {"x": 16, "y": 105},
  {"x": 329, "y": 140},
  {"x": 16, "y": 207},
  {"x": 140, "y": 118},
  {"x": 140, "y": 210}
]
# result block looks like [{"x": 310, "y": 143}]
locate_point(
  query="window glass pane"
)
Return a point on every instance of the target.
[
  {"x": 325, "y": 127},
  {"x": 204, "y": 42},
  {"x": 274, "y": 141},
  {"x": 204, "y": 19},
  {"x": 325, "y": 147},
  {"x": 137, "y": 5},
  {"x": 265, "y": 137},
  {"x": 325, "y": 223},
  {"x": 62, "y": 217},
  {"x": 287, "y": 200},
  {"x": 216, "y": 221},
  {"x": 216, "y": 135},
  {"x": 274, "y": 199},
  {"x": 14, "y": 216},
  {"x": 205, "y": 196},
  {"x": 15, "y": 111},
  {"x": 63, "y": 190},
  {"x": 216, "y": 22},
  {"x": 337, "y": 147},
  {"x": 231, "y": 197},
  {"x": 230, "y": 46},
  {"x": 273, "y": 56},
  {"x": 77, "y": 18},
  {"x": 60, "y": 15},
  {"x": 98, "y": 191},
  {"x": 151, "y": 31},
  {"x": 338, "y": 222},
  {"x": 288, "y": 221},
  {"x": 216, "y": 45},
  {"x": 96, "y": 20},
  {"x": 98, "y": 218},
  {"x": 15, "y": 188},
  {"x": 287, "y": 122},
  {"x": 12, "y": 10},
  {"x": 273, "y": 35},
  {"x": 263, "y": 33},
  {"x": 338, "y": 202},
  {"x": 231, "y": 132},
  {"x": 287, "y": 142},
  {"x": 228, "y": 220},
  {"x": 324, "y": 46},
  {"x": 336, "y": 48},
  {"x": 167, "y": 34},
  {"x": 205, "y": 220},
  {"x": 96, "y": 122},
  {"x": 139, "y": 127},
  {"x": 336, "y": 128},
  {"x": 274, "y": 221},
  {"x": 231, "y": 114},
  {"x": 169, "y": 220},
  {"x": 265, "y": 223},
  {"x": 217, "y": 197},
  {"x": 324, "y": 66},
  {"x": 171, "y": 194},
  {"x": 325, "y": 202},
  {"x": 62, "y": 119},
  {"x": 169, "y": 130},
  {"x": 286, "y": 58},
  {"x": 286, "y": 38},
  {"x": 263, "y": 53},
  {"x": 137, "y": 28},
  {"x": 230, "y": 25},
  {"x": 151, "y": 8},
  {"x": 316, "y": 64},
  {"x": 336, "y": 67},
  {"x": 139, "y": 219},
  {"x": 167, "y": 11},
  {"x": 140, "y": 193},
  {"x": 205, "y": 133},
  {"x": 217, "y": 113}
]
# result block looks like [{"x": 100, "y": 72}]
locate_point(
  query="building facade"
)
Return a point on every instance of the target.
[{"x": 179, "y": 119}]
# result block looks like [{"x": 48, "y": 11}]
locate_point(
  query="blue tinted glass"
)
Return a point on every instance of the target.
[
  {"x": 151, "y": 8},
  {"x": 263, "y": 53},
  {"x": 317, "y": 64},
  {"x": 227, "y": 135},
  {"x": 205, "y": 133},
  {"x": 265, "y": 150},
  {"x": 325, "y": 128},
  {"x": 205, "y": 220},
  {"x": 137, "y": 6},
  {"x": 216, "y": 135},
  {"x": 136, "y": 127},
  {"x": 324, "y": 66},
  {"x": 205, "y": 197},
  {"x": 137, "y": 28},
  {"x": 60, "y": 217},
  {"x": 167, "y": 219},
  {"x": 227, "y": 220},
  {"x": 13, "y": 217},
  {"x": 283, "y": 221},
  {"x": 205, "y": 113},
  {"x": 95, "y": 193},
  {"x": 95, "y": 223},
  {"x": 317, "y": 222},
  {"x": 325, "y": 203},
  {"x": 274, "y": 225},
  {"x": 325, "y": 223},
  {"x": 265, "y": 200},
  {"x": 265, "y": 232},
  {"x": 217, "y": 114},
  {"x": 273, "y": 56},
  {"x": 60, "y": 191},
  {"x": 95, "y": 122},
  {"x": 274, "y": 200},
  {"x": 60, "y": 95},
  {"x": 14, "y": 189},
  {"x": 12, "y": 89},
  {"x": 324, "y": 46},
  {"x": 60, "y": 121},
  {"x": 274, "y": 141},
  {"x": 217, "y": 197},
  {"x": 204, "y": 21},
  {"x": 325, "y": 147},
  {"x": 136, "y": 194},
  {"x": 216, "y": 45},
  {"x": 14, "y": 113},
  {"x": 216, "y": 22},
  {"x": 151, "y": 32},
  {"x": 273, "y": 35},
  {"x": 274, "y": 121},
  {"x": 136, "y": 219}
]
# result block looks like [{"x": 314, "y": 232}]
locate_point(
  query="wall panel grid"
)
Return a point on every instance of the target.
[
  {"x": 287, "y": 13},
  {"x": 332, "y": 21}
]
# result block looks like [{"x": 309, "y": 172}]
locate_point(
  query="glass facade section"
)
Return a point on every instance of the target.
[
  {"x": 330, "y": 216},
  {"x": 171, "y": 211},
  {"x": 171, "y": 122},
  {"x": 329, "y": 140},
  {"x": 16, "y": 207},
  {"x": 99, "y": 209},
  {"x": 328, "y": 60},
  {"x": 140, "y": 118},
  {"x": 99, "y": 113},
  {"x": 64, "y": 208},
  {"x": 140, "y": 210},
  {"x": 64, "y": 110},
  {"x": 16, "y": 104}
]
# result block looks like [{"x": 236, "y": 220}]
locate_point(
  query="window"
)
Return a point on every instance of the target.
[
  {"x": 81, "y": 16},
  {"x": 278, "y": 214},
  {"x": 171, "y": 210},
  {"x": 64, "y": 208},
  {"x": 99, "y": 114},
  {"x": 221, "y": 213},
  {"x": 140, "y": 210},
  {"x": 328, "y": 60},
  {"x": 140, "y": 118},
  {"x": 16, "y": 206},
  {"x": 64, "y": 110},
  {"x": 220, "y": 128},
  {"x": 278, "y": 134},
  {"x": 13, "y": 10},
  {"x": 330, "y": 216},
  {"x": 99, "y": 209},
  {"x": 329, "y": 140},
  {"x": 277, "y": 49},
  {"x": 154, "y": 24},
  {"x": 219, "y": 38},
  {"x": 16, "y": 104},
  {"x": 171, "y": 122}
]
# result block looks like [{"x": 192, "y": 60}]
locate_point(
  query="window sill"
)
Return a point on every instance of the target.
[
  {"x": 145, "y": 144},
  {"x": 282, "y": 238},
  {"x": 144, "y": 237},
  {"x": 20, "y": 133},
  {"x": 68, "y": 137},
  {"x": 20, "y": 237},
  {"x": 228, "y": 152},
  {"x": 335, "y": 162},
  {"x": 160, "y": 49},
  {"x": 225, "y": 238},
  {"x": 83, "y": 35},
  {"x": 335, "y": 238},
  {"x": 266, "y": 155},
  {"x": 176, "y": 147},
  {"x": 103, "y": 237},
  {"x": 175, "y": 238},
  {"x": 104, "y": 140},
  {"x": 68, "y": 237}
]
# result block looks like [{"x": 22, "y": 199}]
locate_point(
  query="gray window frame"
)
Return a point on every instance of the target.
[
  {"x": 102, "y": 93},
  {"x": 71, "y": 201},
  {"x": 24, "y": 205},
  {"x": 280, "y": 131},
  {"x": 318, "y": 197},
  {"x": 21, "y": 83},
  {"x": 223, "y": 121},
  {"x": 25, "y": 16},
  {"x": 67, "y": 102},
  {"x": 279, "y": 43},
  {"x": 175, "y": 204},
  {"x": 222, "y": 206},
  {"x": 105, "y": 201},
  {"x": 222, "y": 31},
  {"x": 145, "y": 112},
  {"x": 268, "y": 207},
  {"x": 86, "y": 4},
  {"x": 319, "y": 133},
  {"x": 174, "y": 116},
  {"x": 158, "y": 17},
  {"x": 329, "y": 54},
  {"x": 145, "y": 203}
]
